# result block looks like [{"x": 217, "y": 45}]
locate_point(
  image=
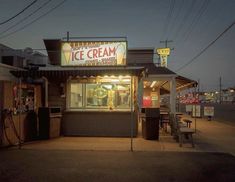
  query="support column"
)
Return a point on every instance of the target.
[
  {"x": 46, "y": 90},
  {"x": 173, "y": 95}
]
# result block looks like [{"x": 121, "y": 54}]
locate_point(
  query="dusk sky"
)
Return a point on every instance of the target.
[{"x": 190, "y": 24}]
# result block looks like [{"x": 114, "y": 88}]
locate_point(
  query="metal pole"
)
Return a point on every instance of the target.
[
  {"x": 195, "y": 117},
  {"x": 220, "y": 90},
  {"x": 67, "y": 36},
  {"x": 20, "y": 109},
  {"x": 131, "y": 104}
]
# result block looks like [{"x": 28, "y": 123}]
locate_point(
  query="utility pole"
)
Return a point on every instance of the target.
[
  {"x": 220, "y": 90},
  {"x": 67, "y": 36},
  {"x": 166, "y": 42},
  {"x": 198, "y": 87}
]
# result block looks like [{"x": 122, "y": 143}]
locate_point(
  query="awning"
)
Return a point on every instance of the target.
[
  {"x": 164, "y": 84},
  {"x": 182, "y": 83},
  {"x": 59, "y": 72}
]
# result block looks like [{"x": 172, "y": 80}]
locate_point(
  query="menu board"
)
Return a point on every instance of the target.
[
  {"x": 208, "y": 111},
  {"x": 196, "y": 111}
]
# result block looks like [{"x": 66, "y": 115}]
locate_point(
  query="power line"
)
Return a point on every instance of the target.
[
  {"x": 209, "y": 45},
  {"x": 19, "y": 12},
  {"x": 185, "y": 18},
  {"x": 28, "y": 16},
  {"x": 172, "y": 5},
  {"x": 197, "y": 18},
  {"x": 48, "y": 12},
  {"x": 178, "y": 13}
]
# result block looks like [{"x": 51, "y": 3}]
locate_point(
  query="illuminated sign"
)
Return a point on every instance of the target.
[
  {"x": 163, "y": 59},
  {"x": 163, "y": 51},
  {"x": 93, "y": 53}
]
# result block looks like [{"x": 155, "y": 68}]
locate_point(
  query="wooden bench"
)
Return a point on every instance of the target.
[
  {"x": 179, "y": 130},
  {"x": 185, "y": 132}
]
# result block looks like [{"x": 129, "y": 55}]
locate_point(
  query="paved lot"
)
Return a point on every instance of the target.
[
  {"x": 110, "y": 159},
  {"x": 214, "y": 135},
  {"x": 66, "y": 165}
]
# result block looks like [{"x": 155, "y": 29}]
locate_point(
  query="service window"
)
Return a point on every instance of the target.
[
  {"x": 100, "y": 94},
  {"x": 76, "y": 99}
]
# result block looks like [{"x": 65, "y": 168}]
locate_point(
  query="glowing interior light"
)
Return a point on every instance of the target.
[
  {"x": 153, "y": 83},
  {"x": 115, "y": 80},
  {"x": 126, "y": 80}
]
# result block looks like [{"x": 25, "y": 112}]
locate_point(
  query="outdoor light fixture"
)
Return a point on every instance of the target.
[{"x": 153, "y": 83}]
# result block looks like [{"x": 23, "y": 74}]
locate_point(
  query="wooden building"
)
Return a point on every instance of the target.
[{"x": 100, "y": 86}]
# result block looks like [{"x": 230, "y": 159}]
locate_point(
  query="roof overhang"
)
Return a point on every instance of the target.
[
  {"x": 163, "y": 82},
  {"x": 64, "y": 72}
]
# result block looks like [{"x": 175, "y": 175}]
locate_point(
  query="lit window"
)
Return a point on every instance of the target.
[
  {"x": 103, "y": 93},
  {"x": 76, "y": 99}
]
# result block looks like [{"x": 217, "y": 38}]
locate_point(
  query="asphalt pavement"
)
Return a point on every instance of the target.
[
  {"x": 110, "y": 159},
  {"x": 71, "y": 165}
]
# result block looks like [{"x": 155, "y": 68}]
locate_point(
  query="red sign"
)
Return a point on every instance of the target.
[{"x": 147, "y": 101}]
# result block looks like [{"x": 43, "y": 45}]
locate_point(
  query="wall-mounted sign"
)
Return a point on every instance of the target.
[
  {"x": 93, "y": 53},
  {"x": 147, "y": 101}
]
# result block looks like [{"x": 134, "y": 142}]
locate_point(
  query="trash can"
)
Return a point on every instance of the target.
[
  {"x": 49, "y": 122},
  {"x": 150, "y": 124},
  {"x": 44, "y": 122},
  {"x": 30, "y": 126}
]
